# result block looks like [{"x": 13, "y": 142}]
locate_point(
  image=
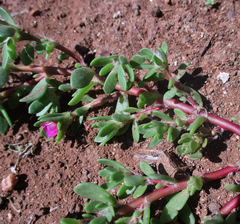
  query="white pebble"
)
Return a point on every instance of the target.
[{"x": 223, "y": 76}]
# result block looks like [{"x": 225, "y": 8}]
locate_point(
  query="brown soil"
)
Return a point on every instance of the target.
[{"x": 207, "y": 37}]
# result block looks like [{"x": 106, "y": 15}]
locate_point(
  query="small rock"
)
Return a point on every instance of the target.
[
  {"x": 9, "y": 182},
  {"x": 223, "y": 76},
  {"x": 117, "y": 15},
  {"x": 155, "y": 11},
  {"x": 135, "y": 6},
  {"x": 230, "y": 14},
  {"x": 214, "y": 207}
]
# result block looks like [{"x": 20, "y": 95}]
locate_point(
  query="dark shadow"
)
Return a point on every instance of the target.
[
  {"x": 22, "y": 182},
  {"x": 85, "y": 53},
  {"x": 215, "y": 147}
]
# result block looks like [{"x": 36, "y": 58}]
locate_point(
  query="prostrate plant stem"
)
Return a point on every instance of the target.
[{"x": 176, "y": 187}]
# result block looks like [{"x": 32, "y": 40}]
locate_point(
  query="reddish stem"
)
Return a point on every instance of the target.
[
  {"x": 167, "y": 190},
  {"x": 232, "y": 204}
]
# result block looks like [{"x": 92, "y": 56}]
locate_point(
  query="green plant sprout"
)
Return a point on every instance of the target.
[
  {"x": 147, "y": 119},
  {"x": 208, "y": 2},
  {"x": 118, "y": 80},
  {"x": 105, "y": 208}
]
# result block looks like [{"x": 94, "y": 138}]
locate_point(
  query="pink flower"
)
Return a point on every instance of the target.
[{"x": 50, "y": 128}]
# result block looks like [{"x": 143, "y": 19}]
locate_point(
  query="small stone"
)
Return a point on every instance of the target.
[
  {"x": 9, "y": 182},
  {"x": 135, "y": 6},
  {"x": 155, "y": 11},
  {"x": 223, "y": 76},
  {"x": 230, "y": 14},
  {"x": 117, "y": 15},
  {"x": 214, "y": 207}
]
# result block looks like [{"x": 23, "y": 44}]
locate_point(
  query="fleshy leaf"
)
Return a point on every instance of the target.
[
  {"x": 162, "y": 116},
  {"x": 37, "y": 92},
  {"x": 146, "y": 168},
  {"x": 7, "y": 17},
  {"x": 27, "y": 54},
  {"x": 100, "y": 61},
  {"x": 137, "y": 60},
  {"x": 140, "y": 190},
  {"x": 232, "y": 187},
  {"x": 106, "y": 69},
  {"x": 110, "y": 82},
  {"x": 175, "y": 204},
  {"x": 69, "y": 221},
  {"x": 133, "y": 180},
  {"x": 94, "y": 192},
  {"x": 81, "y": 77},
  {"x": 7, "y": 31},
  {"x": 4, "y": 74}
]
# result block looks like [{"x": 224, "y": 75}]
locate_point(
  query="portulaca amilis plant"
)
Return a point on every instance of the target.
[{"x": 147, "y": 119}]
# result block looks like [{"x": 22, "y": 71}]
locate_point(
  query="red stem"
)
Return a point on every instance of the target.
[
  {"x": 167, "y": 190},
  {"x": 232, "y": 204}
]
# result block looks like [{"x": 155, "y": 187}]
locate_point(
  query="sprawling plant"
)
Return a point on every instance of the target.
[{"x": 147, "y": 118}]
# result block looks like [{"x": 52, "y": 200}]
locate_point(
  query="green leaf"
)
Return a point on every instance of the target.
[
  {"x": 232, "y": 187},
  {"x": 37, "y": 92},
  {"x": 195, "y": 125},
  {"x": 162, "y": 116},
  {"x": 121, "y": 78},
  {"x": 137, "y": 60},
  {"x": 146, "y": 66},
  {"x": 98, "y": 220},
  {"x": 170, "y": 94},
  {"x": 65, "y": 87},
  {"x": 107, "y": 172},
  {"x": 110, "y": 82},
  {"x": 94, "y": 192},
  {"x": 147, "y": 98},
  {"x": 125, "y": 191},
  {"x": 117, "y": 176},
  {"x": 106, "y": 69},
  {"x": 166, "y": 178},
  {"x": 39, "y": 104},
  {"x": 95, "y": 206},
  {"x": 157, "y": 76},
  {"x": 131, "y": 110},
  {"x": 100, "y": 61},
  {"x": 150, "y": 73},
  {"x": 175, "y": 204},
  {"x": 63, "y": 56},
  {"x": 7, "y": 31},
  {"x": 146, "y": 168},
  {"x": 69, "y": 221},
  {"x": 4, "y": 74},
  {"x": 107, "y": 129},
  {"x": 208, "y": 2},
  {"x": 111, "y": 163},
  {"x": 146, "y": 215},
  {"x": 155, "y": 140},
  {"x": 181, "y": 70},
  {"x": 135, "y": 132},
  {"x": 158, "y": 61},
  {"x": 163, "y": 56},
  {"x": 81, "y": 77},
  {"x": 123, "y": 60},
  {"x": 122, "y": 103},
  {"x": 81, "y": 111},
  {"x": 164, "y": 47},
  {"x": 216, "y": 219},
  {"x": 179, "y": 113},
  {"x": 194, "y": 183},
  {"x": 7, "y": 17},
  {"x": 179, "y": 122},
  {"x": 133, "y": 180},
  {"x": 11, "y": 49},
  {"x": 80, "y": 94},
  {"x": 147, "y": 53},
  {"x": 121, "y": 117},
  {"x": 5, "y": 56},
  {"x": 3, "y": 124},
  {"x": 140, "y": 190},
  {"x": 186, "y": 215},
  {"x": 193, "y": 145},
  {"x": 27, "y": 54}
]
